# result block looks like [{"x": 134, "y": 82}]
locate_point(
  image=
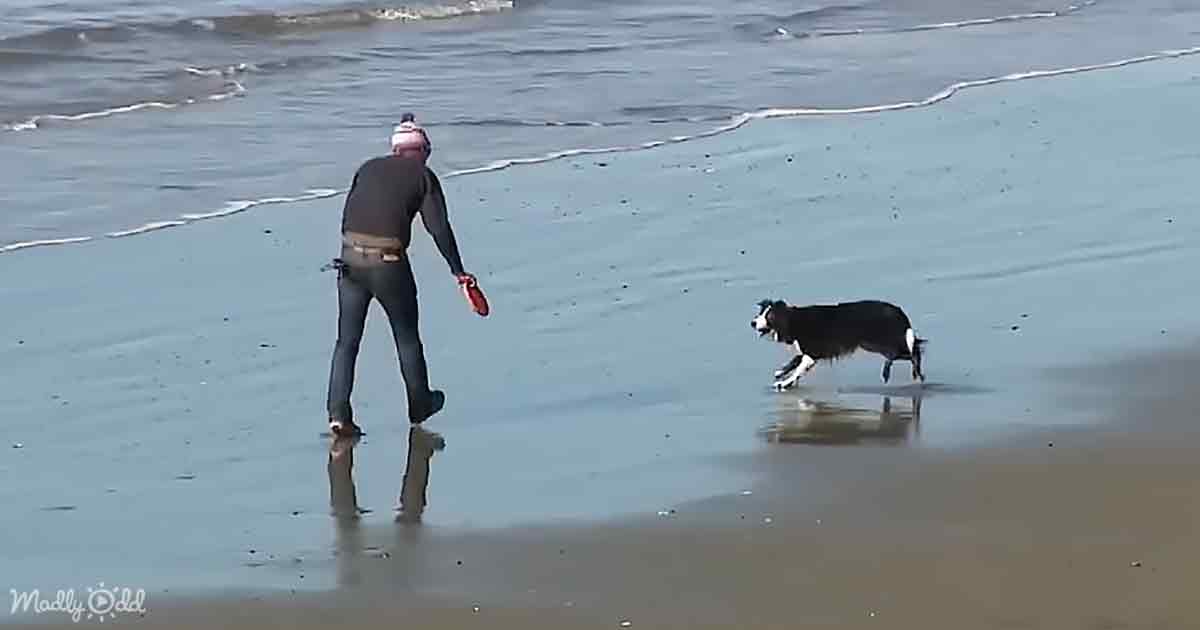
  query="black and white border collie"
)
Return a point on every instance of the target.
[{"x": 825, "y": 332}]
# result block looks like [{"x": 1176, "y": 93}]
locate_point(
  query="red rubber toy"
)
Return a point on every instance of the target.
[{"x": 474, "y": 295}]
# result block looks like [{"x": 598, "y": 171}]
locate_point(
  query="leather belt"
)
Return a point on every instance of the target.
[{"x": 387, "y": 249}]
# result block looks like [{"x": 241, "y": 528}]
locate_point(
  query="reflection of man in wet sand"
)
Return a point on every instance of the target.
[
  {"x": 421, "y": 446},
  {"x": 343, "y": 496},
  {"x": 818, "y": 422},
  {"x": 343, "y": 500}
]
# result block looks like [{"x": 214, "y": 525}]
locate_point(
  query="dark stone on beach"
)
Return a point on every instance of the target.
[
  {"x": 185, "y": 477},
  {"x": 266, "y": 231},
  {"x": 1051, "y": 445},
  {"x": 295, "y": 512},
  {"x": 265, "y": 345},
  {"x": 1024, "y": 315},
  {"x": 20, "y": 342},
  {"x": 1135, "y": 564},
  {"x": 459, "y": 563},
  {"x": 743, "y": 252},
  {"x": 789, "y": 158},
  {"x": 624, "y": 286},
  {"x": 601, "y": 164},
  {"x": 1016, "y": 327}
]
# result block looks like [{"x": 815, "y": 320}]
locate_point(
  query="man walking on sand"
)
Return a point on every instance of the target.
[{"x": 385, "y": 196}]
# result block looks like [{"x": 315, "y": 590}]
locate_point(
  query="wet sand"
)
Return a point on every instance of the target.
[
  {"x": 1035, "y": 232},
  {"x": 1067, "y": 528}
]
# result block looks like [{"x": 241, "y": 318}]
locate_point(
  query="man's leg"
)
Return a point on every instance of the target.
[
  {"x": 397, "y": 292},
  {"x": 353, "y": 300}
]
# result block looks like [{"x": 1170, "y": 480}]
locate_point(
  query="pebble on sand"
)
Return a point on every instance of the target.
[
  {"x": 1135, "y": 563},
  {"x": 18, "y": 445},
  {"x": 625, "y": 623}
]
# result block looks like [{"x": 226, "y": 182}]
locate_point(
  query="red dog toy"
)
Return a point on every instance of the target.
[{"x": 474, "y": 294}]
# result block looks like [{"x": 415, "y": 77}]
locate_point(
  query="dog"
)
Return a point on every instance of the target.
[{"x": 825, "y": 332}]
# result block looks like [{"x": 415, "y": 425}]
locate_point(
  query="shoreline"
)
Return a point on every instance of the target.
[{"x": 734, "y": 124}]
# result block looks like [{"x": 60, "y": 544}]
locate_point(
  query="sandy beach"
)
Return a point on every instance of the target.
[{"x": 612, "y": 450}]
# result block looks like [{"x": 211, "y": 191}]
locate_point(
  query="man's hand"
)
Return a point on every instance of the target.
[{"x": 470, "y": 288}]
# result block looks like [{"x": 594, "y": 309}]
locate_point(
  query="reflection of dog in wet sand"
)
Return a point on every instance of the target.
[
  {"x": 818, "y": 422},
  {"x": 825, "y": 332}
]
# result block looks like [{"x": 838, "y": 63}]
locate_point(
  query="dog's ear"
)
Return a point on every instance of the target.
[{"x": 763, "y": 304}]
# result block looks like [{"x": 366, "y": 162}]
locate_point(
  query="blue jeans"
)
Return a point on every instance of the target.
[{"x": 359, "y": 281}]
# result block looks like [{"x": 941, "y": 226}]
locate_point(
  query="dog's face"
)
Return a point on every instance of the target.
[{"x": 768, "y": 313}]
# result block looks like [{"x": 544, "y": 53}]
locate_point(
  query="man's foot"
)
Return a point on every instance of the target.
[
  {"x": 344, "y": 428},
  {"x": 437, "y": 400}
]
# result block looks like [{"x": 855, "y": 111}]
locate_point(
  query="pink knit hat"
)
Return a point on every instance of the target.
[{"x": 408, "y": 135}]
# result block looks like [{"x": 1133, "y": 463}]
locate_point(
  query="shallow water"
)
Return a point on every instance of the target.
[
  {"x": 122, "y": 115},
  {"x": 171, "y": 392}
]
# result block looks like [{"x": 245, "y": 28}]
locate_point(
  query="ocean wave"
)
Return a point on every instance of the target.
[
  {"x": 64, "y": 38},
  {"x": 223, "y": 82},
  {"x": 22, "y": 58},
  {"x": 231, "y": 208},
  {"x": 782, "y": 32},
  {"x": 731, "y": 124},
  {"x": 745, "y": 118},
  {"x": 231, "y": 88}
]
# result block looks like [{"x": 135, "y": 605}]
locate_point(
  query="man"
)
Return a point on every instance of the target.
[{"x": 385, "y": 196}]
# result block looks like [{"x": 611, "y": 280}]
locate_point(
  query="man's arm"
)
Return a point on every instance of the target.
[{"x": 437, "y": 222}]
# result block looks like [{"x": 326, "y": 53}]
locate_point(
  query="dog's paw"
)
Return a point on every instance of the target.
[{"x": 781, "y": 385}]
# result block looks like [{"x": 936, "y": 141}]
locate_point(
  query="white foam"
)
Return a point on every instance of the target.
[
  {"x": 471, "y": 7},
  {"x": 149, "y": 227},
  {"x": 236, "y": 89},
  {"x": 782, "y": 33},
  {"x": 53, "y": 241}
]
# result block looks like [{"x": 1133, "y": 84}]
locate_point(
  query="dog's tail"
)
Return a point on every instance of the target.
[
  {"x": 918, "y": 356},
  {"x": 915, "y": 344}
]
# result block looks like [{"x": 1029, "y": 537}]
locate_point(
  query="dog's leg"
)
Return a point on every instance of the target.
[
  {"x": 806, "y": 364},
  {"x": 789, "y": 366}
]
